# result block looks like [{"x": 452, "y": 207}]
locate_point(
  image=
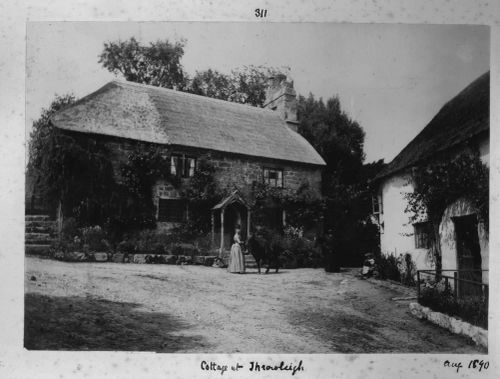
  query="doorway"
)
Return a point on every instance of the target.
[
  {"x": 235, "y": 215},
  {"x": 468, "y": 254}
]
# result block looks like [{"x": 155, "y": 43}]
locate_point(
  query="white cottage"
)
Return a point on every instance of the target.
[{"x": 462, "y": 125}]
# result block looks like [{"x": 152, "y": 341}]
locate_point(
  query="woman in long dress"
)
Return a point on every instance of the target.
[{"x": 236, "y": 258}]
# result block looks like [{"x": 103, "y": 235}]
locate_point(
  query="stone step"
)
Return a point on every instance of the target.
[
  {"x": 40, "y": 223},
  {"x": 250, "y": 261},
  {"x": 38, "y": 239},
  {"x": 39, "y": 249},
  {"x": 40, "y": 229},
  {"x": 37, "y": 218}
]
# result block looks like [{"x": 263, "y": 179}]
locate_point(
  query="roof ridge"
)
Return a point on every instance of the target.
[{"x": 188, "y": 94}]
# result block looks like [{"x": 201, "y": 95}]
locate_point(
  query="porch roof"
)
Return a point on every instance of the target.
[{"x": 233, "y": 197}]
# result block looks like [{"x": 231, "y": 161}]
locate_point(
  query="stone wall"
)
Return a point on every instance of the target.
[
  {"x": 232, "y": 171},
  {"x": 241, "y": 172}
]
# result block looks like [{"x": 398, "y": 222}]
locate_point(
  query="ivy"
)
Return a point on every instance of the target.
[
  {"x": 439, "y": 184},
  {"x": 304, "y": 209}
]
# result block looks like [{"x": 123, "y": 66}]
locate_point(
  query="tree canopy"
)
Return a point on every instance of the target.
[{"x": 158, "y": 64}]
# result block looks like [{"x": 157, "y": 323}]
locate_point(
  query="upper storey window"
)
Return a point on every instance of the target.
[
  {"x": 273, "y": 177},
  {"x": 182, "y": 165}
]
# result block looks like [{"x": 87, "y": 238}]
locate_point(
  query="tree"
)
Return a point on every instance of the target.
[
  {"x": 158, "y": 64},
  {"x": 339, "y": 140},
  {"x": 40, "y": 142},
  {"x": 245, "y": 85}
]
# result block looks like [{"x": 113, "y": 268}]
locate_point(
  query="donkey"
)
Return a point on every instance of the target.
[{"x": 265, "y": 250}]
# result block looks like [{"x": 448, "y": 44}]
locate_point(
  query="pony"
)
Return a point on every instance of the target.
[{"x": 265, "y": 251}]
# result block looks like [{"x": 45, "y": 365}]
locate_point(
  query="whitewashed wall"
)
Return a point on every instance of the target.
[{"x": 397, "y": 237}]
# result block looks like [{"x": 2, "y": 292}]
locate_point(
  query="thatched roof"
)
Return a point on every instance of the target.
[
  {"x": 462, "y": 118},
  {"x": 159, "y": 115}
]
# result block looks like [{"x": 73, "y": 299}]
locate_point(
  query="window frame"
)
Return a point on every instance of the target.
[
  {"x": 421, "y": 231},
  {"x": 280, "y": 172},
  {"x": 183, "y": 167},
  {"x": 162, "y": 217},
  {"x": 377, "y": 204}
]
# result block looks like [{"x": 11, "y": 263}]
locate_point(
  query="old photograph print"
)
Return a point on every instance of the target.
[{"x": 257, "y": 187}]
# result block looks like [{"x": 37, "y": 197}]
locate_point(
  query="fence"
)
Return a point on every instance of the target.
[{"x": 459, "y": 293}]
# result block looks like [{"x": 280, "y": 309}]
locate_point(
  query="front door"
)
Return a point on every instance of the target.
[
  {"x": 468, "y": 254},
  {"x": 235, "y": 215}
]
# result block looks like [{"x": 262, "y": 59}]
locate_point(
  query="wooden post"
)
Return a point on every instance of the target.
[
  {"x": 213, "y": 229},
  {"x": 418, "y": 285},
  {"x": 455, "y": 284},
  {"x": 248, "y": 223},
  {"x": 221, "y": 232}
]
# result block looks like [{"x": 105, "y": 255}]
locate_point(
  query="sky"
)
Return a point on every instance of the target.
[{"x": 391, "y": 78}]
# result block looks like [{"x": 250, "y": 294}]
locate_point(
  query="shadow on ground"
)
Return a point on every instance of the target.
[{"x": 79, "y": 323}]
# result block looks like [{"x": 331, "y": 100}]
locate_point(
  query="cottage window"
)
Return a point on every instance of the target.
[
  {"x": 171, "y": 210},
  {"x": 182, "y": 165},
  {"x": 273, "y": 177},
  {"x": 377, "y": 206},
  {"x": 422, "y": 232}
]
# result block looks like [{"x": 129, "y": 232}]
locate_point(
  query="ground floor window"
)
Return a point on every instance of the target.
[
  {"x": 422, "y": 232},
  {"x": 171, "y": 210}
]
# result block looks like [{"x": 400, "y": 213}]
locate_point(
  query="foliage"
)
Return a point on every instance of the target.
[
  {"x": 76, "y": 173},
  {"x": 94, "y": 239},
  {"x": 347, "y": 207},
  {"x": 300, "y": 252},
  {"x": 336, "y": 137},
  {"x": 42, "y": 130},
  {"x": 440, "y": 298},
  {"x": 245, "y": 85},
  {"x": 304, "y": 208},
  {"x": 202, "y": 193},
  {"x": 388, "y": 267},
  {"x": 40, "y": 145},
  {"x": 158, "y": 64},
  {"x": 438, "y": 184},
  {"x": 145, "y": 165},
  {"x": 400, "y": 269}
]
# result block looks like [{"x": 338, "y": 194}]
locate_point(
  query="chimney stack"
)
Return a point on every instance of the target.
[{"x": 282, "y": 98}]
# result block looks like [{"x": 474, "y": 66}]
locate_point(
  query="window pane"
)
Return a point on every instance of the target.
[
  {"x": 422, "y": 230},
  {"x": 171, "y": 210},
  {"x": 180, "y": 166},
  {"x": 173, "y": 164},
  {"x": 280, "y": 178},
  {"x": 192, "y": 165}
]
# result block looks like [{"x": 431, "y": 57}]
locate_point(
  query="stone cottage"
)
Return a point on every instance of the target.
[
  {"x": 462, "y": 125},
  {"x": 246, "y": 144}
]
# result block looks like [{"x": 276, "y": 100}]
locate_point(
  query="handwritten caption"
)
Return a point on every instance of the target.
[
  {"x": 474, "y": 364},
  {"x": 252, "y": 367}
]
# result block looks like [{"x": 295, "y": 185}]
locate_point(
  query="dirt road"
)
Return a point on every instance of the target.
[{"x": 191, "y": 309}]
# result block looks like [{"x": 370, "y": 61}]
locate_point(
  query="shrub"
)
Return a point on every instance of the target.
[
  {"x": 69, "y": 229},
  {"x": 439, "y": 297},
  {"x": 388, "y": 267},
  {"x": 94, "y": 239},
  {"x": 126, "y": 247},
  {"x": 400, "y": 269},
  {"x": 300, "y": 252}
]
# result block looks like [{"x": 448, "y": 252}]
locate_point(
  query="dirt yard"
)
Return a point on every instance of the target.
[{"x": 194, "y": 309}]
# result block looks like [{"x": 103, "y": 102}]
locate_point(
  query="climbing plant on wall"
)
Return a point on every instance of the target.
[
  {"x": 304, "y": 208},
  {"x": 145, "y": 165},
  {"x": 439, "y": 184}
]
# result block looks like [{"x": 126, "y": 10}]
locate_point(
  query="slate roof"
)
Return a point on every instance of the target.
[
  {"x": 159, "y": 115},
  {"x": 462, "y": 118}
]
